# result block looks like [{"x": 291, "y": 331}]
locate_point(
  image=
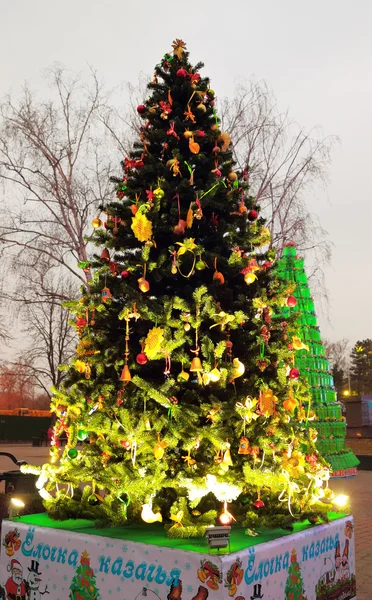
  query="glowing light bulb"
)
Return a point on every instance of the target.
[{"x": 341, "y": 500}]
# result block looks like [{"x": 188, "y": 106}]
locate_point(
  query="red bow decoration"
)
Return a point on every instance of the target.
[{"x": 171, "y": 131}]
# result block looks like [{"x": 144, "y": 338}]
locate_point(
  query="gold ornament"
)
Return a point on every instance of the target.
[
  {"x": 189, "y": 461},
  {"x": 196, "y": 365},
  {"x": 179, "y": 47},
  {"x": 125, "y": 374},
  {"x": 159, "y": 449},
  {"x": 227, "y": 460},
  {"x": 142, "y": 227},
  {"x": 226, "y": 140},
  {"x": 232, "y": 176},
  {"x": 267, "y": 403},
  {"x": 96, "y": 223},
  {"x": 153, "y": 342},
  {"x": 143, "y": 284}
]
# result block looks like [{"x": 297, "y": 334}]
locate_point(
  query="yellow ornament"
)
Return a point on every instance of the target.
[
  {"x": 267, "y": 403},
  {"x": 153, "y": 342},
  {"x": 159, "y": 449},
  {"x": 290, "y": 403},
  {"x": 298, "y": 344},
  {"x": 265, "y": 236},
  {"x": 148, "y": 515},
  {"x": 142, "y": 227},
  {"x": 183, "y": 376},
  {"x": 214, "y": 375},
  {"x": 294, "y": 464},
  {"x": 80, "y": 366},
  {"x": 249, "y": 278},
  {"x": 239, "y": 368}
]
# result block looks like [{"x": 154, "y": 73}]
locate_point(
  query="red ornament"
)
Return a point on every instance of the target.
[
  {"x": 125, "y": 444},
  {"x": 294, "y": 373},
  {"x": 182, "y": 73},
  {"x": 217, "y": 173},
  {"x": 125, "y": 274},
  {"x": 141, "y": 109},
  {"x": 259, "y": 504},
  {"x": 311, "y": 459},
  {"x": 81, "y": 322},
  {"x": 139, "y": 164},
  {"x": 252, "y": 215},
  {"x": 291, "y": 301},
  {"x": 200, "y": 133},
  {"x": 141, "y": 358}
]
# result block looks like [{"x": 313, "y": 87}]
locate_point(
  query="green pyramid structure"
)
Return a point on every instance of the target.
[{"x": 314, "y": 366}]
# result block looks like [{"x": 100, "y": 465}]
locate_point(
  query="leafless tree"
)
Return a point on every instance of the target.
[
  {"x": 49, "y": 338},
  {"x": 55, "y": 171},
  {"x": 286, "y": 165},
  {"x": 338, "y": 353}
]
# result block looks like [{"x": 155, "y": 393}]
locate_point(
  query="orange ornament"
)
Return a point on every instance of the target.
[{"x": 194, "y": 146}]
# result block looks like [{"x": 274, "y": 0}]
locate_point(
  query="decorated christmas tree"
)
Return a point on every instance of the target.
[
  {"x": 182, "y": 392},
  {"x": 294, "y": 587},
  {"x": 83, "y": 585},
  {"x": 312, "y": 363}
]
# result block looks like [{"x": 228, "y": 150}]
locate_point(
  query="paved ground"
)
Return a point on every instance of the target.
[
  {"x": 359, "y": 489},
  {"x": 360, "y": 445}
]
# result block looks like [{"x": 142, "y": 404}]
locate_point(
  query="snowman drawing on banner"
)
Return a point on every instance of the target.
[{"x": 34, "y": 581}]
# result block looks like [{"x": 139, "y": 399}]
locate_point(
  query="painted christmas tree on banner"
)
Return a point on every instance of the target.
[
  {"x": 83, "y": 585},
  {"x": 183, "y": 390}
]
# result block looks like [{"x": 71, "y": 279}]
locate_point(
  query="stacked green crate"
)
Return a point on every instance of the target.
[{"x": 314, "y": 366}]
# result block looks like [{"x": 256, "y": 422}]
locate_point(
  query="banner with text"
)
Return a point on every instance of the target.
[{"x": 38, "y": 562}]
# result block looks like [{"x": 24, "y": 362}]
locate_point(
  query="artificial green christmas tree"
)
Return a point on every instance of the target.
[
  {"x": 182, "y": 392},
  {"x": 294, "y": 587},
  {"x": 83, "y": 585},
  {"x": 312, "y": 363}
]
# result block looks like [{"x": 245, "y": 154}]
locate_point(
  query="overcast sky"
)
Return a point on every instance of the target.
[{"x": 316, "y": 56}]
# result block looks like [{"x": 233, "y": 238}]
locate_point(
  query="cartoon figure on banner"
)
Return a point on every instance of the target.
[
  {"x": 256, "y": 592},
  {"x": 336, "y": 581},
  {"x": 234, "y": 577},
  {"x": 345, "y": 562},
  {"x": 209, "y": 574},
  {"x": 349, "y": 529},
  {"x": 12, "y": 542},
  {"x": 338, "y": 562},
  {"x": 175, "y": 592},
  {"x": 33, "y": 582},
  {"x": 15, "y": 587}
]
